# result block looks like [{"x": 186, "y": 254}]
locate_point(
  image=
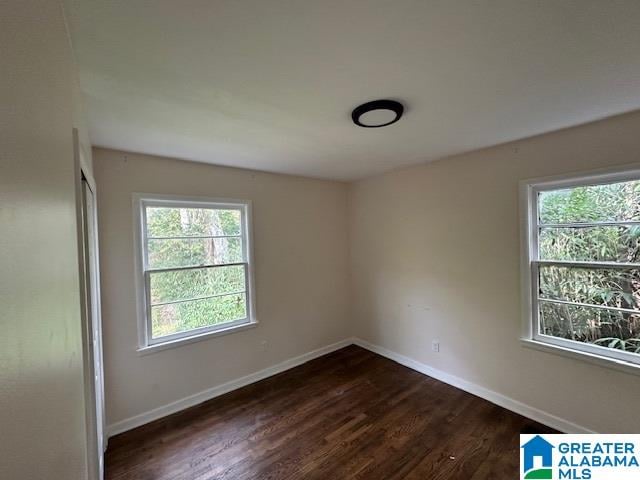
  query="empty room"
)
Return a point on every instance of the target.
[{"x": 331, "y": 239}]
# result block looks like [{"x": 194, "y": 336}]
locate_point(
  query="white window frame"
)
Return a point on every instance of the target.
[
  {"x": 531, "y": 337},
  {"x": 146, "y": 343}
]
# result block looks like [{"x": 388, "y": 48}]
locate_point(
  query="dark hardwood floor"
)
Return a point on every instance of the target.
[{"x": 349, "y": 414}]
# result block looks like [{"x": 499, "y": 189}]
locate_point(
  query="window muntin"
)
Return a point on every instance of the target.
[
  {"x": 583, "y": 240},
  {"x": 195, "y": 267}
]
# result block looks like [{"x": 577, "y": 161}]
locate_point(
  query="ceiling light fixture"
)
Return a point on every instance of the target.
[{"x": 378, "y": 113}]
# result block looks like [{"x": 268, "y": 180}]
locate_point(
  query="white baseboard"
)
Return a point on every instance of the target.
[
  {"x": 493, "y": 397},
  {"x": 192, "y": 400}
]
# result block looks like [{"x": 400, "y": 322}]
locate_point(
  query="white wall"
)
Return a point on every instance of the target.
[
  {"x": 435, "y": 255},
  {"x": 42, "y": 415},
  {"x": 300, "y": 238}
]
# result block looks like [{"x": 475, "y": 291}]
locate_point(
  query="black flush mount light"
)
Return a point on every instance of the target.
[{"x": 378, "y": 113}]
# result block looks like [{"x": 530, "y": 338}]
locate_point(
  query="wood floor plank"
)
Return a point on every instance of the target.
[{"x": 351, "y": 414}]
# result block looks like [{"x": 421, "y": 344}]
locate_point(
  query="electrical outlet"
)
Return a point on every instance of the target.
[
  {"x": 264, "y": 344},
  {"x": 435, "y": 346}
]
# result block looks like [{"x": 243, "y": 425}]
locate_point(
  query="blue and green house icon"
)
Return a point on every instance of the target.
[{"x": 538, "y": 447}]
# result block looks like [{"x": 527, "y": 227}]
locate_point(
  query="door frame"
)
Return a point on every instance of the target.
[{"x": 94, "y": 438}]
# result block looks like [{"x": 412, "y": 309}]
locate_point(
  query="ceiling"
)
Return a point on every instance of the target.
[{"x": 270, "y": 84}]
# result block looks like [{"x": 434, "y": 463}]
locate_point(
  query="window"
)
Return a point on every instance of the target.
[
  {"x": 195, "y": 272},
  {"x": 582, "y": 266}
]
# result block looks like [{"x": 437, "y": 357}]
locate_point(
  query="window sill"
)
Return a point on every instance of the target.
[
  {"x": 601, "y": 361},
  {"x": 195, "y": 338}
]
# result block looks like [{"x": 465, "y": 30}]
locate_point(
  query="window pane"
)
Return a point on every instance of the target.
[
  {"x": 174, "y": 222},
  {"x": 591, "y": 203},
  {"x": 609, "y": 287},
  {"x": 616, "y": 330},
  {"x": 603, "y": 244},
  {"x": 182, "y": 317},
  {"x": 188, "y": 252},
  {"x": 189, "y": 284}
]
